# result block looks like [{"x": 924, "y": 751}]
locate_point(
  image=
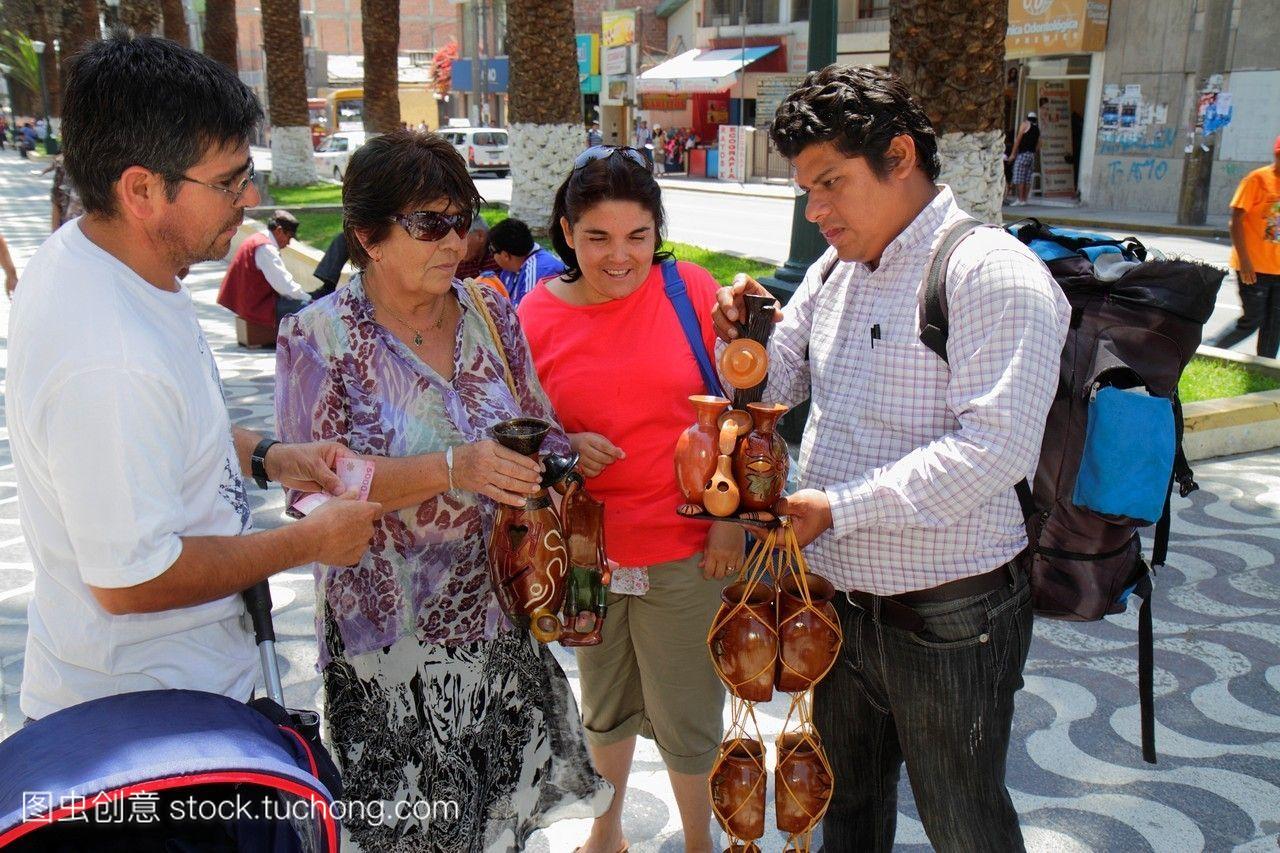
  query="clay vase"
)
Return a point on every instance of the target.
[
  {"x": 744, "y": 641},
  {"x": 737, "y": 785},
  {"x": 761, "y": 462},
  {"x": 721, "y": 497},
  {"x": 697, "y": 448},
  {"x": 802, "y": 783},
  {"x": 585, "y": 601},
  {"x": 527, "y": 557},
  {"x": 808, "y": 643},
  {"x": 757, "y": 326}
]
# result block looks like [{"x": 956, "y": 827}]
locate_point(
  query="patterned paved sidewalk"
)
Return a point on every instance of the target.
[{"x": 1074, "y": 766}]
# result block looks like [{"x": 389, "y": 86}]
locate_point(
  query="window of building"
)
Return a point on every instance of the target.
[
  {"x": 728, "y": 13},
  {"x": 873, "y": 9}
]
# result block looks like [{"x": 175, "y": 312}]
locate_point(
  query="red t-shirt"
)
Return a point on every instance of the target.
[{"x": 624, "y": 369}]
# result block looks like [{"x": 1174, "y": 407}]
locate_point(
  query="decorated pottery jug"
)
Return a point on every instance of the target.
[
  {"x": 588, "y": 582},
  {"x": 809, "y": 635},
  {"x": 744, "y": 640},
  {"x": 760, "y": 464},
  {"x": 697, "y": 449},
  {"x": 802, "y": 782},
  {"x": 528, "y": 562},
  {"x": 737, "y": 785}
]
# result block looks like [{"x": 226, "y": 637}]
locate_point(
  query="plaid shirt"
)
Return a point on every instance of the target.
[{"x": 918, "y": 457}]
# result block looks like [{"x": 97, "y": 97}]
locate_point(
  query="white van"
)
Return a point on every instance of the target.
[{"x": 483, "y": 148}]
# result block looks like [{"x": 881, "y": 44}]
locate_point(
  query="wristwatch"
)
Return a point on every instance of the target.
[{"x": 258, "y": 462}]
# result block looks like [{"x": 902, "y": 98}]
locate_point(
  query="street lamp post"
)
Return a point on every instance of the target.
[
  {"x": 806, "y": 241},
  {"x": 50, "y": 144}
]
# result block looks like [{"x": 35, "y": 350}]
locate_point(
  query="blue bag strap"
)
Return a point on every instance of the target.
[{"x": 679, "y": 296}]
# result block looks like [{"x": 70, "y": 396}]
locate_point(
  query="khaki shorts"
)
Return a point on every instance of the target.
[{"x": 652, "y": 675}]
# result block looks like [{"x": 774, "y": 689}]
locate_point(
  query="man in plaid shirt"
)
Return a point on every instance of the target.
[{"x": 908, "y": 463}]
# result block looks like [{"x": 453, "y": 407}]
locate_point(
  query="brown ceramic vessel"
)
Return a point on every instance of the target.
[
  {"x": 697, "y": 449},
  {"x": 722, "y": 497},
  {"x": 761, "y": 462},
  {"x": 809, "y": 635},
  {"x": 744, "y": 641},
  {"x": 585, "y": 601},
  {"x": 528, "y": 561},
  {"x": 738, "y": 788},
  {"x": 802, "y": 784}
]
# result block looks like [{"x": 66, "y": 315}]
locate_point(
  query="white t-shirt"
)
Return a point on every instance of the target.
[{"x": 121, "y": 444}]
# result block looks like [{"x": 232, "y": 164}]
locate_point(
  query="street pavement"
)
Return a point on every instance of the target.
[{"x": 1074, "y": 768}]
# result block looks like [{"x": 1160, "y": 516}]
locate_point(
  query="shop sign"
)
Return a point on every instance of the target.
[
  {"x": 1048, "y": 27},
  {"x": 617, "y": 60},
  {"x": 667, "y": 102},
  {"x": 588, "y": 53},
  {"x": 618, "y": 27},
  {"x": 771, "y": 92}
]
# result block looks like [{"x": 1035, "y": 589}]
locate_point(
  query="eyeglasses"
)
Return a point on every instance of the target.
[
  {"x": 604, "y": 152},
  {"x": 236, "y": 194},
  {"x": 428, "y": 225}
]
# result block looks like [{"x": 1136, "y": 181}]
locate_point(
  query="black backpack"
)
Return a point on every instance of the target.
[{"x": 1100, "y": 476}]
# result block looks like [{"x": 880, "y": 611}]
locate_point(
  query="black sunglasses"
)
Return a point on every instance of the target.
[
  {"x": 428, "y": 225},
  {"x": 604, "y": 152}
]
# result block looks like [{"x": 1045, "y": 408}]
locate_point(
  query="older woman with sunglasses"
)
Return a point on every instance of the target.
[
  {"x": 610, "y": 350},
  {"x": 432, "y": 697}
]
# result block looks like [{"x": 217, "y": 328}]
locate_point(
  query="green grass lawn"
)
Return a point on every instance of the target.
[
  {"x": 314, "y": 194},
  {"x": 319, "y": 228},
  {"x": 1205, "y": 379}
]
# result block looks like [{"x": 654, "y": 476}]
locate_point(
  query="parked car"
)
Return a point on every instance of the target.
[
  {"x": 335, "y": 150},
  {"x": 484, "y": 148}
]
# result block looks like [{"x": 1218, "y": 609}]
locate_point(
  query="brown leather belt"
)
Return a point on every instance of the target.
[{"x": 895, "y": 610}]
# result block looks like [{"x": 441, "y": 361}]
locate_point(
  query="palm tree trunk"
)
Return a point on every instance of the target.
[
  {"x": 546, "y": 125},
  {"x": 381, "y": 34},
  {"x": 175, "y": 22},
  {"x": 90, "y": 27},
  {"x": 141, "y": 16},
  {"x": 291, "y": 151},
  {"x": 220, "y": 32},
  {"x": 950, "y": 55}
]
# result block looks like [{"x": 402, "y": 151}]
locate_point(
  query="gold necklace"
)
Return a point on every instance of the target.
[{"x": 417, "y": 335}]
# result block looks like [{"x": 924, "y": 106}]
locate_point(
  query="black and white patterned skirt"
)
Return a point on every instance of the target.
[{"x": 485, "y": 738}]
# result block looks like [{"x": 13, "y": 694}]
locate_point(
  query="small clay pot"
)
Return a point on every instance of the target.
[
  {"x": 744, "y": 641},
  {"x": 809, "y": 636},
  {"x": 802, "y": 783},
  {"x": 697, "y": 449},
  {"x": 737, "y": 784},
  {"x": 761, "y": 463},
  {"x": 721, "y": 497}
]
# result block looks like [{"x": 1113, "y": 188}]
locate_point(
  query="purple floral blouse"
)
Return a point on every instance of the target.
[{"x": 341, "y": 376}]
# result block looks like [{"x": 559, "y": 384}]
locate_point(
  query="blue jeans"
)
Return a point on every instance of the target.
[{"x": 940, "y": 699}]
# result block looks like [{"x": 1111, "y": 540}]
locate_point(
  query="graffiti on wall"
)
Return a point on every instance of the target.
[
  {"x": 1137, "y": 171},
  {"x": 1129, "y": 123}
]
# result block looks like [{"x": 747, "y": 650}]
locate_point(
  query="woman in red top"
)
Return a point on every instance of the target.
[{"x": 611, "y": 355}]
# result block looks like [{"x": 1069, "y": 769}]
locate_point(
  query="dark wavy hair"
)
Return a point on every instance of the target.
[
  {"x": 614, "y": 178},
  {"x": 149, "y": 102},
  {"x": 861, "y": 110},
  {"x": 394, "y": 170}
]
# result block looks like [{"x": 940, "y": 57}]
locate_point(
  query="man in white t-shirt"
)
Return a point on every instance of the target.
[{"x": 130, "y": 474}]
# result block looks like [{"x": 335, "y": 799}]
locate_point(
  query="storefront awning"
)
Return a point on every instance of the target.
[{"x": 700, "y": 70}]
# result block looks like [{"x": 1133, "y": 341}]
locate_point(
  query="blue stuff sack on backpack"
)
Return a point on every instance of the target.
[{"x": 1127, "y": 464}]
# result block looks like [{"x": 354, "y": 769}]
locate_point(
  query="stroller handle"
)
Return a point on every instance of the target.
[{"x": 257, "y": 600}]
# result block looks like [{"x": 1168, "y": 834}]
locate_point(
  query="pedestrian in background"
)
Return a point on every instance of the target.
[
  {"x": 10, "y": 272},
  {"x": 523, "y": 262},
  {"x": 1025, "y": 147},
  {"x": 1255, "y": 256},
  {"x": 258, "y": 287}
]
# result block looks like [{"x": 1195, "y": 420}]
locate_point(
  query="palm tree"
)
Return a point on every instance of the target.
[
  {"x": 950, "y": 55},
  {"x": 175, "y": 21},
  {"x": 220, "y": 32},
  {"x": 291, "y": 150},
  {"x": 141, "y": 16},
  {"x": 546, "y": 127},
  {"x": 380, "y": 29}
]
